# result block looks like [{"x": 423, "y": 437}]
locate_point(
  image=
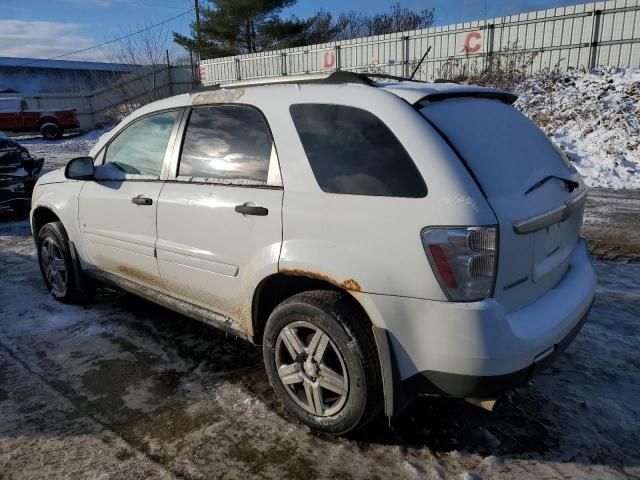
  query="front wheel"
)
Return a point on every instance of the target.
[
  {"x": 321, "y": 360},
  {"x": 56, "y": 265}
]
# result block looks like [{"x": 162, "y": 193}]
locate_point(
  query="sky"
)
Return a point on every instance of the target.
[{"x": 48, "y": 28}]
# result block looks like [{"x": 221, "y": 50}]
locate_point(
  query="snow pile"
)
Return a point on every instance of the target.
[
  {"x": 80, "y": 144},
  {"x": 594, "y": 117}
]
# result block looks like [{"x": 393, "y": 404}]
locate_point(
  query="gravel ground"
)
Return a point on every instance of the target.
[
  {"x": 121, "y": 388},
  {"x": 611, "y": 224}
]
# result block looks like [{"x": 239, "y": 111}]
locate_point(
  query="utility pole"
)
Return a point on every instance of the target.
[{"x": 198, "y": 32}]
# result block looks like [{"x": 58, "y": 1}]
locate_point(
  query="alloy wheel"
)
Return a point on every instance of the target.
[
  {"x": 53, "y": 265},
  {"x": 311, "y": 368}
]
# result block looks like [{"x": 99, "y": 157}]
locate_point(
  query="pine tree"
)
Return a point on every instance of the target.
[{"x": 231, "y": 27}]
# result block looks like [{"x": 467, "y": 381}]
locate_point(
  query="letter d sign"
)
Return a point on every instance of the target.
[{"x": 329, "y": 59}]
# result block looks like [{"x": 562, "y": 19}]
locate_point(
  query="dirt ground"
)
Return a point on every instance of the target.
[
  {"x": 123, "y": 389},
  {"x": 611, "y": 224}
]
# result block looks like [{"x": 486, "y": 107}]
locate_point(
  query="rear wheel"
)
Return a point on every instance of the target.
[
  {"x": 55, "y": 263},
  {"x": 51, "y": 131},
  {"x": 321, "y": 360}
]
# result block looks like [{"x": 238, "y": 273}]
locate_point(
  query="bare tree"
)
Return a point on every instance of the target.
[
  {"x": 147, "y": 48},
  {"x": 146, "y": 52},
  {"x": 505, "y": 69},
  {"x": 323, "y": 27},
  {"x": 350, "y": 25},
  {"x": 400, "y": 19}
]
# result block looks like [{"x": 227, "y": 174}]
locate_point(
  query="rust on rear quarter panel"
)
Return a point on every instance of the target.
[{"x": 349, "y": 284}]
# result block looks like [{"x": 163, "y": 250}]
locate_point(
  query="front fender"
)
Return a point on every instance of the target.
[{"x": 61, "y": 199}]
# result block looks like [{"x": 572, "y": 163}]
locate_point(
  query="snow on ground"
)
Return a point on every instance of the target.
[
  {"x": 594, "y": 117},
  {"x": 57, "y": 153},
  {"x": 74, "y": 143},
  {"x": 121, "y": 388}
]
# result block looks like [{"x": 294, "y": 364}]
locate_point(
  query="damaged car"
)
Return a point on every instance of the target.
[
  {"x": 380, "y": 240},
  {"x": 19, "y": 173}
]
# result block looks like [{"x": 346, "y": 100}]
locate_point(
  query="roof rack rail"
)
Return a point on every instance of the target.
[
  {"x": 341, "y": 76},
  {"x": 344, "y": 76}
]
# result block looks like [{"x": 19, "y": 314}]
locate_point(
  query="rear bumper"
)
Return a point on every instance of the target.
[
  {"x": 477, "y": 349},
  {"x": 491, "y": 386}
]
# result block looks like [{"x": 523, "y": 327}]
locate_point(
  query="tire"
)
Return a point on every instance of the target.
[
  {"x": 55, "y": 262},
  {"x": 51, "y": 131},
  {"x": 330, "y": 321}
]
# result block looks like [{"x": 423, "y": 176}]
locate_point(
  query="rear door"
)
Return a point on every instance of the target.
[
  {"x": 536, "y": 194},
  {"x": 219, "y": 215},
  {"x": 117, "y": 211}
]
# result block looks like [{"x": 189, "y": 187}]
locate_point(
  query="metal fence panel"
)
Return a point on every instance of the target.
[{"x": 581, "y": 36}]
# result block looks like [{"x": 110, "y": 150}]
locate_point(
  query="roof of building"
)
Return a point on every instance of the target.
[{"x": 17, "y": 62}]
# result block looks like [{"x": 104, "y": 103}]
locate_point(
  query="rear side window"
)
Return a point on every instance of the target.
[
  {"x": 351, "y": 151},
  {"x": 226, "y": 144},
  {"x": 139, "y": 149}
]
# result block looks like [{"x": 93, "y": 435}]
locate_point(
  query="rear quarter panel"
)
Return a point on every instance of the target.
[{"x": 364, "y": 243}]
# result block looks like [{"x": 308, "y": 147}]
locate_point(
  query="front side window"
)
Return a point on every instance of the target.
[
  {"x": 352, "y": 152},
  {"x": 226, "y": 144},
  {"x": 139, "y": 149}
]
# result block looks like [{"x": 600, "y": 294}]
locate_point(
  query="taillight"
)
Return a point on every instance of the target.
[{"x": 463, "y": 259}]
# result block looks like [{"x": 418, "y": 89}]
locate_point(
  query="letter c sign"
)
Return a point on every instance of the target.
[
  {"x": 472, "y": 42},
  {"x": 329, "y": 59}
]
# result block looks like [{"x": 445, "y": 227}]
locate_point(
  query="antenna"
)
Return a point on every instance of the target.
[{"x": 415, "y": 70}]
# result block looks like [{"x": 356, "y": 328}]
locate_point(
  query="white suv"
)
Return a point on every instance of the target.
[{"x": 379, "y": 240}]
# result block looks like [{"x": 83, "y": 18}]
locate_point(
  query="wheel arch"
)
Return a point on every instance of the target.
[
  {"x": 48, "y": 119},
  {"x": 276, "y": 288}
]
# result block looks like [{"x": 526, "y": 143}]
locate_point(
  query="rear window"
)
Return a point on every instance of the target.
[
  {"x": 504, "y": 149},
  {"x": 352, "y": 152}
]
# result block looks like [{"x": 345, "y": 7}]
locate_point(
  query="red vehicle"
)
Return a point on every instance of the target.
[{"x": 15, "y": 116}]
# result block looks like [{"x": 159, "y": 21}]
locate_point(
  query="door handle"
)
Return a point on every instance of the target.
[
  {"x": 252, "y": 210},
  {"x": 141, "y": 200}
]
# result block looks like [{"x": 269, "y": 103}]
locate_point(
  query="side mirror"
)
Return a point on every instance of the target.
[{"x": 80, "y": 168}]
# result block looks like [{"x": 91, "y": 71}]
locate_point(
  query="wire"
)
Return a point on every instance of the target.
[
  {"x": 107, "y": 43},
  {"x": 125, "y": 3}
]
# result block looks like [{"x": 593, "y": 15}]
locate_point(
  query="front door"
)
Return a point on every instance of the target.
[
  {"x": 219, "y": 219},
  {"x": 117, "y": 211}
]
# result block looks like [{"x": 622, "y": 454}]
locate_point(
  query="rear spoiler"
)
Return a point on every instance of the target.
[{"x": 500, "y": 95}]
